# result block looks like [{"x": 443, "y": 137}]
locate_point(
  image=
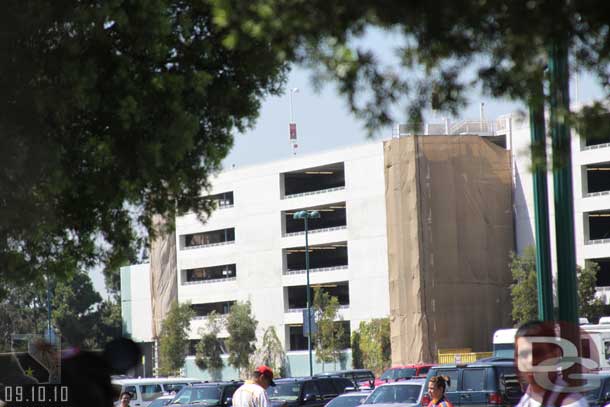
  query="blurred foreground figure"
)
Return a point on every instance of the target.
[
  {"x": 549, "y": 364},
  {"x": 86, "y": 375}
]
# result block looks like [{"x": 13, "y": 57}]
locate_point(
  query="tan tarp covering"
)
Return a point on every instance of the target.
[
  {"x": 163, "y": 274},
  {"x": 450, "y": 231}
]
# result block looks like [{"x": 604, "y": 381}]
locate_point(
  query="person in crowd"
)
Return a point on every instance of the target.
[
  {"x": 253, "y": 392},
  {"x": 436, "y": 389},
  {"x": 544, "y": 388}
]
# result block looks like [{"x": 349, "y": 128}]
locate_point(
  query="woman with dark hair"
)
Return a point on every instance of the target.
[
  {"x": 124, "y": 399},
  {"x": 436, "y": 389},
  {"x": 537, "y": 346}
]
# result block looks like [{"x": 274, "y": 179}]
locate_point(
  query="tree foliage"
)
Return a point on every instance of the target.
[
  {"x": 589, "y": 305},
  {"x": 241, "y": 326},
  {"x": 523, "y": 291},
  {"x": 503, "y": 43},
  {"x": 80, "y": 315},
  {"x": 375, "y": 344},
  {"x": 356, "y": 352},
  {"x": 208, "y": 352},
  {"x": 173, "y": 340},
  {"x": 272, "y": 352},
  {"x": 112, "y": 112},
  {"x": 329, "y": 340}
]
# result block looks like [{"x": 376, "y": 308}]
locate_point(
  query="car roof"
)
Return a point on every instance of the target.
[
  {"x": 412, "y": 382},
  {"x": 294, "y": 379},
  {"x": 208, "y": 384},
  {"x": 160, "y": 380},
  {"x": 410, "y": 366},
  {"x": 336, "y": 372},
  {"x": 355, "y": 393},
  {"x": 499, "y": 363}
]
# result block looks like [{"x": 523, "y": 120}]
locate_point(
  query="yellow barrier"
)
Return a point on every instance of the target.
[{"x": 462, "y": 357}]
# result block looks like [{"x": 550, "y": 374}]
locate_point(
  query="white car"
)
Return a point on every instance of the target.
[
  {"x": 144, "y": 391},
  {"x": 407, "y": 393}
]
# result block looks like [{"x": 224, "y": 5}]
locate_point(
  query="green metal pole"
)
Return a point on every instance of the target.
[
  {"x": 541, "y": 206},
  {"x": 308, "y": 298},
  {"x": 562, "y": 181}
]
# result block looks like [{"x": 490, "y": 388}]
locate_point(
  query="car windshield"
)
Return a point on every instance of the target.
[
  {"x": 347, "y": 401},
  {"x": 284, "y": 391},
  {"x": 389, "y": 374},
  {"x": 159, "y": 403},
  {"x": 407, "y": 393},
  {"x": 405, "y": 373}
]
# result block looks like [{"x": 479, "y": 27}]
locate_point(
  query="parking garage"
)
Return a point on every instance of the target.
[
  {"x": 312, "y": 180},
  {"x": 599, "y": 225},
  {"x": 320, "y": 257},
  {"x": 297, "y": 295},
  {"x": 331, "y": 216},
  {"x": 597, "y": 178}
]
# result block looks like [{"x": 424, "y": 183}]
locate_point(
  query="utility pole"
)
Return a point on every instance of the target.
[
  {"x": 541, "y": 205},
  {"x": 562, "y": 180}
]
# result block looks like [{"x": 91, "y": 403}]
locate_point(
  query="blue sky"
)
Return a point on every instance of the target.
[{"x": 324, "y": 122}]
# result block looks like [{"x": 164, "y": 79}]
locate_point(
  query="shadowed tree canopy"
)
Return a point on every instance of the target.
[
  {"x": 445, "y": 47},
  {"x": 112, "y": 111},
  {"x": 117, "y": 110}
]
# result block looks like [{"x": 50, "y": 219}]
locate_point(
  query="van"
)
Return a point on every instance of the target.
[
  {"x": 504, "y": 343},
  {"x": 144, "y": 391}
]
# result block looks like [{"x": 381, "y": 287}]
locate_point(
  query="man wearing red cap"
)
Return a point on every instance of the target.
[{"x": 252, "y": 393}]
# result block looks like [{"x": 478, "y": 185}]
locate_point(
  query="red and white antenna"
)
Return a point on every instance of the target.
[{"x": 292, "y": 125}]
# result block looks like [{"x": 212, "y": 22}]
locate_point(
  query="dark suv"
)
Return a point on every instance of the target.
[
  {"x": 306, "y": 391},
  {"x": 479, "y": 384},
  {"x": 210, "y": 394},
  {"x": 361, "y": 378}
]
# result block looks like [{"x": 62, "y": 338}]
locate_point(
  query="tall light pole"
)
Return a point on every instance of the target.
[{"x": 305, "y": 215}]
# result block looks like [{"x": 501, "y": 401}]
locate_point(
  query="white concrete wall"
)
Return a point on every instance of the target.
[
  {"x": 523, "y": 196},
  {"x": 135, "y": 292},
  {"x": 257, "y": 251}
]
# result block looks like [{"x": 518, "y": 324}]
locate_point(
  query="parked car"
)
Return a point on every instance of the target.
[
  {"x": 162, "y": 400},
  {"x": 403, "y": 372},
  {"x": 362, "y": 378},
  {"x": 210, "y": 394},
  {"x": 479, "y": 384},
  {"x": 352, "y": 399},
  {"x": 600, "y": 396},
  {"x": 144, "y": 391},
  {"x": 306, "y": 391},
  {"x": 407, "y": 393}
]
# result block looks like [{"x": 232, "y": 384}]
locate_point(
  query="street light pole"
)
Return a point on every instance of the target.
[
  {"x": 306, "y": 215},
  {"x": 308, "y": 299}
]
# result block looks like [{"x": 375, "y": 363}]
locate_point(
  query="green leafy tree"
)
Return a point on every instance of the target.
[
  {"x": 241, "y": 326},
  {"x": 329, "y": 339},
  {"x": 78, "y": 312},
  {"x": 173, "y": 340},
  {"x": 523, "y": 291},
  {"x": 375, "y": 344},
  {"x": 112, "y": 112},
  {"x": 22, "y": 311},
  {"x": 272, "y": 352},
  {"x": 589, "y": 305},
  {"x": 208, "y": 352},
  {"x": 504, "y": 44},
  {"x": 75, "y": 303},
  {"x": 356, "y": 352}
]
